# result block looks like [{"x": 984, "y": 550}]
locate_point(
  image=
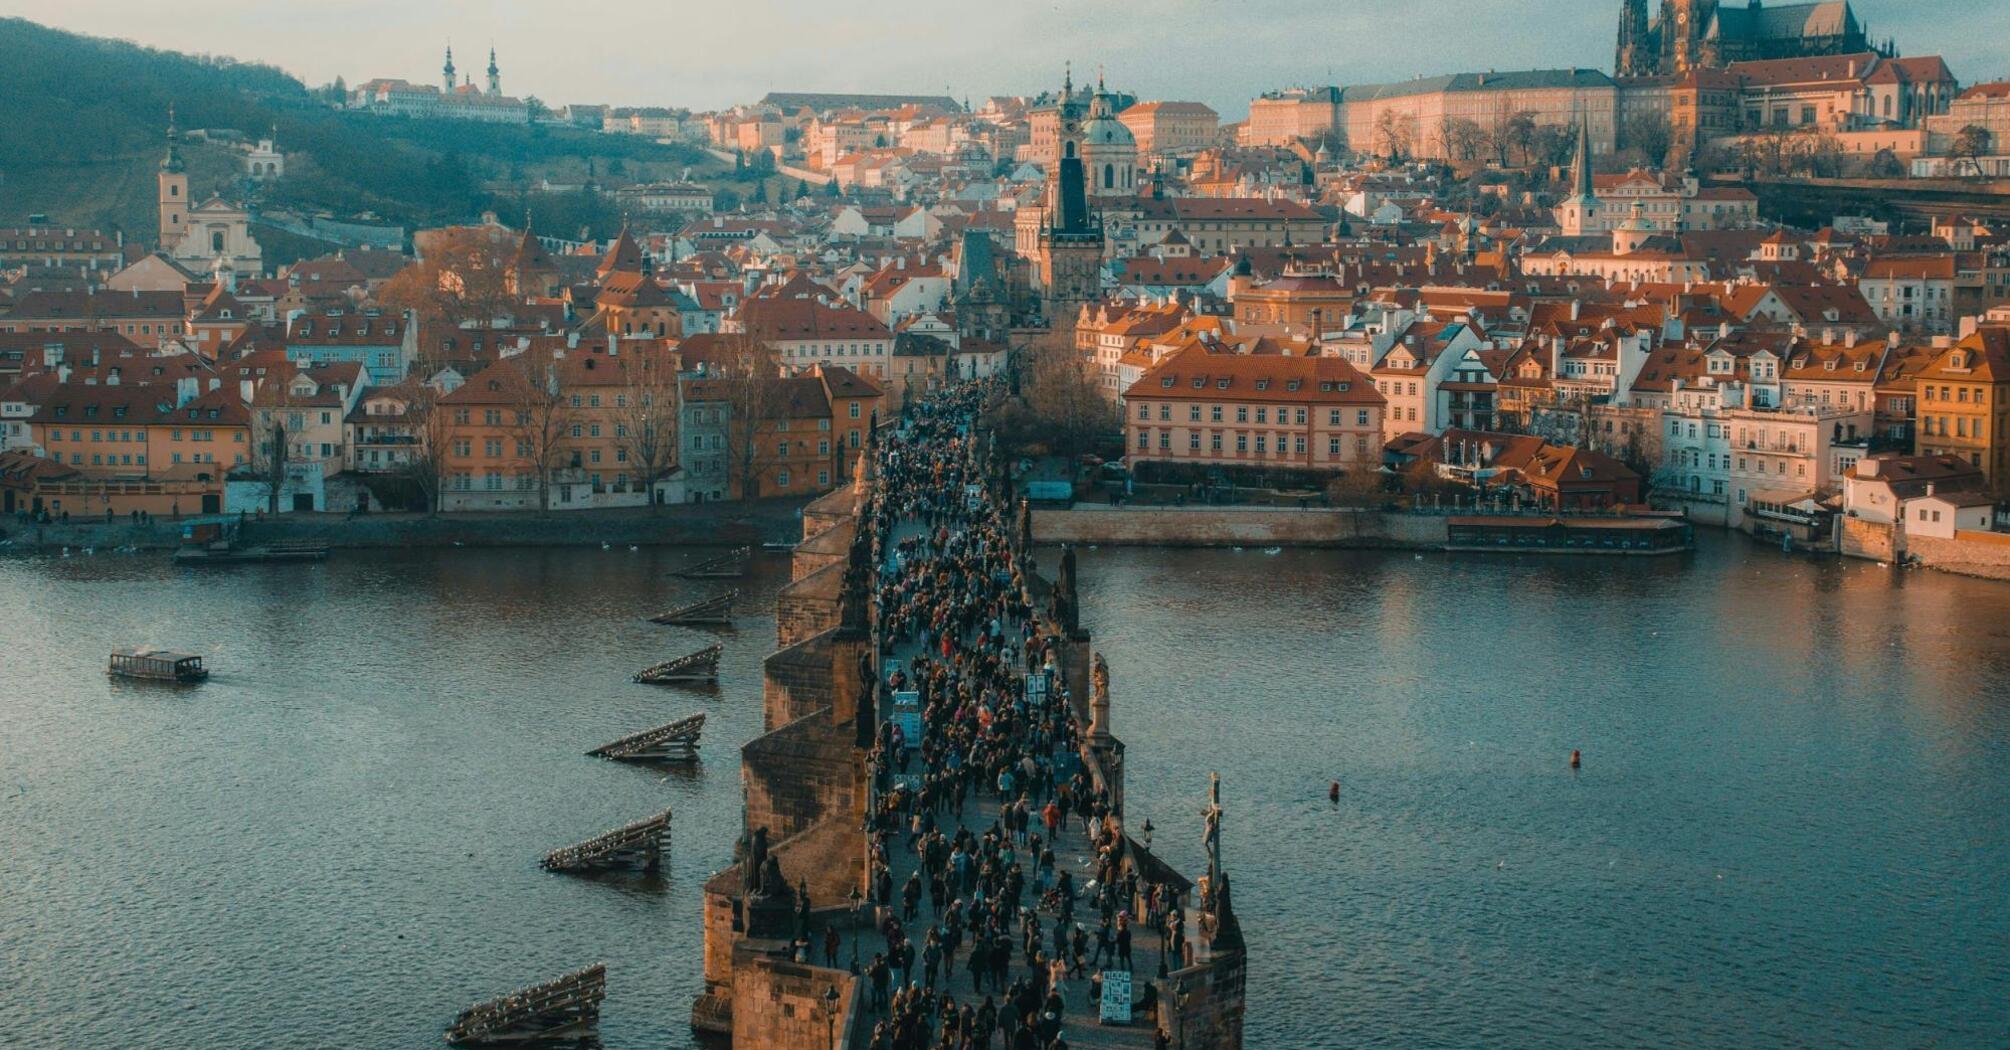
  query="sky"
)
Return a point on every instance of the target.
[{"x": 712, "y": 54}]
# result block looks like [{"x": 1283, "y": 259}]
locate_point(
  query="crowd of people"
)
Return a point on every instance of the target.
[{"x": 982, "y": 936}]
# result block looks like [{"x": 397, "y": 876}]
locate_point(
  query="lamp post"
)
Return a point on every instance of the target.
[
  {"x": 1181, "y": 999},
  {"x": 856, "y": 900},
  {"x": 830, "y": 1017}
]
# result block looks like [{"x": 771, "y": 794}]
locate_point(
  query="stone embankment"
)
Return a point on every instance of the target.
[
  {"x": 1238, "y": 527},
  {"x": 684, "y": 524}
]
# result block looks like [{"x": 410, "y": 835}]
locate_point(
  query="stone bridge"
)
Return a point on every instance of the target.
[{"x": 807, "y": 781}]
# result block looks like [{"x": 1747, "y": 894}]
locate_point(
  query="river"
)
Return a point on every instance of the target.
[{"x": 1791, "y": 827}]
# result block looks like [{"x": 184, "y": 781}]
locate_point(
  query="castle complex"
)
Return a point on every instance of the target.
[{"x": 1705, "y": 34}]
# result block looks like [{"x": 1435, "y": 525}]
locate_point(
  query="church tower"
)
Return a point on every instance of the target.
[
  {"x": 1578, "y": 215},
  {"x": 447, "y": 72},
  {"x": 495, "y": 74},
  {"x": 173, "y": 191},
  {"x": 1069, "y": 262}
]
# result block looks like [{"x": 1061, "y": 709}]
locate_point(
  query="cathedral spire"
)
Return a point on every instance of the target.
[
  {"x": 447, "y": 71},
  {"x": 495, "y": 73}
]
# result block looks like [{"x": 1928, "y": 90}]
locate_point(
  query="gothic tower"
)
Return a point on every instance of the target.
[
  {"x": 1635, "y": 56},
  {"x": 495, "y": 74},
  {"x": 1069, "y": 263},
  {"x": 173, "y": 190},
  {"x": 447, "y": 72}
]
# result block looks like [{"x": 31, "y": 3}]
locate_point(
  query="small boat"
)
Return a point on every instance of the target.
[
  {"x": 718, "y": 609},
  {"x": 225, "y": 554},
  {"x": 731, "y": 563},
  {"x": 701, "y": 666},
  {"x": 157, "y": 665}
]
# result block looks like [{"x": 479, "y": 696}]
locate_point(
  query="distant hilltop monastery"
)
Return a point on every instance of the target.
[
  {"x": 1705, "y": 34},
  {"x": 453, "y": 100}
]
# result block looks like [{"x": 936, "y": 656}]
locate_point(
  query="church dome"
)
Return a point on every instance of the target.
[{"x": 1103, "y": 128}]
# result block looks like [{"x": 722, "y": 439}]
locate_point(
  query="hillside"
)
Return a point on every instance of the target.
[{"x": 82, "y": 133}]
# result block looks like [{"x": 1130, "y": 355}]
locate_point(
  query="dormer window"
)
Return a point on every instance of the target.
[
  {"x": 1263, "y": 384},
  {"x": 1829, "y": 365},
  {"x": 1199, "y": 382},
  {"x": 1221, "y": 384},
  {"x": 1167, "y": 382}
]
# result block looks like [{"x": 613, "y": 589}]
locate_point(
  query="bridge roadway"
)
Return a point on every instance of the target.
[{"x": 1072, "y": 853}]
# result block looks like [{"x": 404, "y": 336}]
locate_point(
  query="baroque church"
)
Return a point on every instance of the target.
[
  {"x": 1710, "y": 34},
  {"x": 212, "y": 233}
]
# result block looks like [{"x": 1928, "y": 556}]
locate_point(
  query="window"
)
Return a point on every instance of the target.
[
  {"x": 1144, "y": 439},
  {"x": 1165, "y": 413},
  {"x": 1262, "y": 415},
  {"x": 1242, "y": 413},
  {"x": 1193, "y": 413},
  {"x": 1214, "y": 413},
  {"x": 1214, "y": 441},
  {"x": 1165, "y": 440},
  {"x": 1144, "y": 411},
  {"x": 782, "y": 479},
  {"x": 1242, "y": 442},
  {"x": 1193, "y": 440},
  {"x": 1361, "y": 417},
  {"x": 854, "y": 410}
]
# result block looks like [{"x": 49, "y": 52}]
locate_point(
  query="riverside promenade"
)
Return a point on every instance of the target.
[{"x": 935, "y": 851}]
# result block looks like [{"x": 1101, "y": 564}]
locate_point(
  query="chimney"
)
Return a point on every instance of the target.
[
  {"x": 1968, "y": 325},
  {"x": 1891, "y": 340},
  {"x": 1849, "y": 337},
  {"x": 1575, "y": 307},
  {"x": 244, "y": 389}
]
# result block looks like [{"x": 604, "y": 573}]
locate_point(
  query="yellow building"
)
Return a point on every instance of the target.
[
  {"x": 139, "y": 447},
  {"x": 1964, "y": 404}
]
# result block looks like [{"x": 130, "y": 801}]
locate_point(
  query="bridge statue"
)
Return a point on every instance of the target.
[
  {"x": 1066, "y": 612},
  {"x": 757, "y": 858}
]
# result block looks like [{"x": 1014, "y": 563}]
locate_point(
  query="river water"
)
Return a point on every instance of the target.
[{"x": 1791, "y": 828}]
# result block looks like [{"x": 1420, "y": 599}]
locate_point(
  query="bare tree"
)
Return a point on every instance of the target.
[
  {"x": 1651, "y": 136},
  {"x": 646, "y": 410},
  {"x": 1062, "y": 405},
  {"x": 271, "y": 448},
  {"x": 541, "y": 415},
  {"x": 1394, "y": 134},
  {"x": 431, "y": 426},
  {"x": 464, "y": 277},
  {"x": 1971, "y": 144},
  {"x": 754, "y": 389},
  {"x": 1519, "y": 133}
]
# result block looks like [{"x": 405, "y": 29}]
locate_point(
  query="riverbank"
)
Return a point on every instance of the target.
[{"x": 683, "y": 524}]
